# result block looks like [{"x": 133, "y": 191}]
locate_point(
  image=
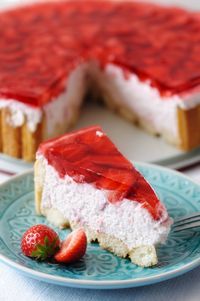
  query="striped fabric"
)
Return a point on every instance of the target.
[{"x": 10, "y": 167}]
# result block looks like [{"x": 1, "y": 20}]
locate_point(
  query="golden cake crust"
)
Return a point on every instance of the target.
[
  {"x": 20, "y": 142},
  {"x": 189, "y": 128},
  {"x": 31, "y": 140},
  {"x": 0, "y": 131},
  {"x": 11, "y": 136}
]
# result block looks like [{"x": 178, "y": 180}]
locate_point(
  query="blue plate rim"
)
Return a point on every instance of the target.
[{"x": 102, "y": 284}]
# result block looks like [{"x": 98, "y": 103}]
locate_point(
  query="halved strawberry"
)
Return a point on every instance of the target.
[{"x": 73, "y": 248}]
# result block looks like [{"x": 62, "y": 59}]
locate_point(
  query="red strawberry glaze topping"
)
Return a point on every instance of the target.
[
  {"x": 41, "y": 44},
  {"x": 88, "y": 156}
]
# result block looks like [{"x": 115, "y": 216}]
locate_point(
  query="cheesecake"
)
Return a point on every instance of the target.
[
  {"x": 53, "y": 58},
  {"x": 82, "y": 180}
]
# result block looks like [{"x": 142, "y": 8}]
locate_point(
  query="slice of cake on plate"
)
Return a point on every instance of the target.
[{"x": 82, "y": 180}]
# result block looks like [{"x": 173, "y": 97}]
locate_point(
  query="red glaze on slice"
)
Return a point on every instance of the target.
[
  {"x": 42, "y": 43},
  {"x": 88, "y": 156}
]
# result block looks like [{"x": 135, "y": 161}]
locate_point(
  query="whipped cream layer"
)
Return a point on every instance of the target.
[
  {"x": 144, "y": 101},
  {"x": 87, "y": 206},
  {"x": 19, "y": 113},
  {"x": 61, "y": 111},
  {"x": 57, "y": 112}
]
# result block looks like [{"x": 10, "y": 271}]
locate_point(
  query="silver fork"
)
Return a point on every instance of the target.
[{"x": 186, "y": 222}]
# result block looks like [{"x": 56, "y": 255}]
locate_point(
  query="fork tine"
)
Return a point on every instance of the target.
[
  {"x": 186, "y": 221},
  {"x": 187, "y": 226},
  {"x": 189, "y": 216}
]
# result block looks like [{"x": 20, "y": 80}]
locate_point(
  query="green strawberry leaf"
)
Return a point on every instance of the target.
[{"x": 46, "y": 250}]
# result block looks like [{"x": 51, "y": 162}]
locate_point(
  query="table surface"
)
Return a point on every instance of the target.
[{"x": 15, "y": 287}]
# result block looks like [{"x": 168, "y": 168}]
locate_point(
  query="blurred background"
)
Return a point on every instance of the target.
[{"x": 191, "y": 4}]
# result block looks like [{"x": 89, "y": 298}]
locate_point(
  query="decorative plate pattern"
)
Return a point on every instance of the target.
[{"x": 99, "y": 268}]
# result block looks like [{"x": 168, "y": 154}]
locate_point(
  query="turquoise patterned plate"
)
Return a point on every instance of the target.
[{"x": 99, "y": 268}]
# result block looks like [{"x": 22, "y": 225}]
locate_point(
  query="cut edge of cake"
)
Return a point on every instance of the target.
[
  {"x": 187, "y": 119},
  {"x": 184, "y": 115},
  {"x": 28, "y": 126}
]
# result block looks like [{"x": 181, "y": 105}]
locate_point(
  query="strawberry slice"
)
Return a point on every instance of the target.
[{"x": 73, "y": 248}]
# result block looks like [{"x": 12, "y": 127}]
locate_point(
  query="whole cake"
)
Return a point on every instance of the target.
[
  {"x": 82, "y": 180},
  {"x": 143, "y": 59}
]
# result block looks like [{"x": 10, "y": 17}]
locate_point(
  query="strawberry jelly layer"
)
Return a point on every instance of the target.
[
  {"x": 41, "y": 44},
  {"x": 88, "y": 156}
]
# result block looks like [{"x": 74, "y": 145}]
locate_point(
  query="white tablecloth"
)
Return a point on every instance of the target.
[{"x": 15, "y": 287}]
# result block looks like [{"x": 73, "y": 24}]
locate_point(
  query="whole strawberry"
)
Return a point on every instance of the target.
[{"x": 40, "y": 242}]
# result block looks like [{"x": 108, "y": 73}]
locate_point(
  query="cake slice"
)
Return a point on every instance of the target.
[{"x": 82, "y": 180}]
